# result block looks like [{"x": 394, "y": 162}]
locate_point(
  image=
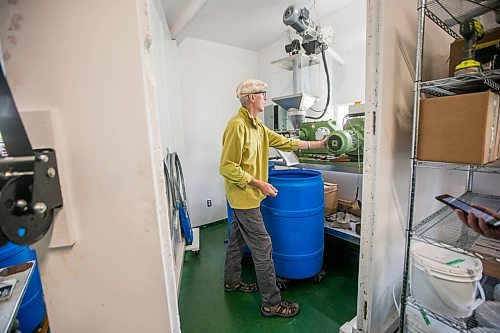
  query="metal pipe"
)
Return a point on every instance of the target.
[
  {"x": 16, "y": 159},
  {"x": 297, "y": 75}
]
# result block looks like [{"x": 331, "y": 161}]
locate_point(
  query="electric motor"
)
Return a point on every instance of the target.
[{"x": 343, "y": 142}]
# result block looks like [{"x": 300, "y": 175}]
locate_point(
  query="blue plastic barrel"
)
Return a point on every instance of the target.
[
  {"x": 32, "y": 310},
  {"x": 295, "y": 221}
]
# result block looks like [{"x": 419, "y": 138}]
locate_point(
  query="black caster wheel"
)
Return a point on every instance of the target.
[
  {"x": 318, "y": 277},
  {"x": 196, "y": 252}
]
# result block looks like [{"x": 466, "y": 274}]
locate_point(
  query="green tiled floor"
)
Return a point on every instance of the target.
[{"x": 206, "y": 308}]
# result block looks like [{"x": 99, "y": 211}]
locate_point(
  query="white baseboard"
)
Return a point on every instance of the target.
[
  {"x": 349, "y": 327},
  {"x": 391, "y": 326}
]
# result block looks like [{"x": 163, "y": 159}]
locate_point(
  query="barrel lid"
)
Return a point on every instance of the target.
[
  {"x": 448, "y": 261},
  {"x": 294, "y": 174}
]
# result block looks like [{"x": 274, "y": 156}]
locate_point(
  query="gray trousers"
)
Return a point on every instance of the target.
[{"x": 248, "y": 228}]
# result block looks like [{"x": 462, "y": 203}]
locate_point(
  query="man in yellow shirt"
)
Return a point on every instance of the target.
[{"x": 244, "y": 166}]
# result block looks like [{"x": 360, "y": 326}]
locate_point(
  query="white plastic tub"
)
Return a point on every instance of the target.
[{"x": 444, "y": 281}]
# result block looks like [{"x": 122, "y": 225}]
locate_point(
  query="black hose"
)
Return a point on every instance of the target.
[{"x": 328, "y": 84}]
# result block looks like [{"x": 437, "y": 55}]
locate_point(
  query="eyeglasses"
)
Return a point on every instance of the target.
[{"x": 264, "y": 93}]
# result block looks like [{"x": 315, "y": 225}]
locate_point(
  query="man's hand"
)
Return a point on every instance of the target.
[
  {"x": 478, "y": 224},
  {"x": 323, "y": 142},
  {"x": 313, "y": 144},
  {"x": 266, "y": 188}
]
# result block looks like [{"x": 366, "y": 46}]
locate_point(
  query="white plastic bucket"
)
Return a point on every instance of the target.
[{"x": 445, "y": 281}]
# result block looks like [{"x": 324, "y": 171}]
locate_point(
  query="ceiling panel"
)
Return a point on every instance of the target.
[{"x": 245, "y": 24}]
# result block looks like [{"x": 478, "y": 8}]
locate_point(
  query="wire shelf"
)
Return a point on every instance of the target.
[
  {"x": 449, "y": 13},
  {"x": 459, "y": 325},
  {"x": 493, "y": 167},
  {"x": 443, "y": 228},
  {"x": 425, "y": 317},
  {"x": 462, "y": 84}
]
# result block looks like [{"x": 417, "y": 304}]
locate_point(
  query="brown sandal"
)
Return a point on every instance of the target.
[
  {"x": 282, "y": 309},
  {"x": 241, "y": 286}
]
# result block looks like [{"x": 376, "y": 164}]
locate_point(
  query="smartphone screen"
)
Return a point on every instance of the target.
[{"x": 466, "y": 208}]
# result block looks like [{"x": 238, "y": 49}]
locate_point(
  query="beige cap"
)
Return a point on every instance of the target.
[{"x": 248, "y": 87}]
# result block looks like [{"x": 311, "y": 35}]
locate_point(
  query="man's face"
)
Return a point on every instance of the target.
[{"x": 259, "y": 100}]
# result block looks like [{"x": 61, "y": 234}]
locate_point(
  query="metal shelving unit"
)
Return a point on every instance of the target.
[
  {"x": 442, "y": 228},
  {"x": 345, "y": 234},
  {"x": 452, "y": 323},
  {"x": 348, "y": 167},
  {"x": 487, "y": 168},
  {"x": 462, "y": 84}
]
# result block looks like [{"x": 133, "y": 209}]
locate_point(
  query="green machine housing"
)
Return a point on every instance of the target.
[
  {"x": 316, "y": 130},
  {"x": 347, "y": 143}
]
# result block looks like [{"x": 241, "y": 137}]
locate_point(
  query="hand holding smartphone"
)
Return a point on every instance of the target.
[{"x": 491, "y": 221}]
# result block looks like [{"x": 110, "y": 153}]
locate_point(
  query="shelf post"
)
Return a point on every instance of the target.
[
  {"x": 470, "y": 177},
  {"x": 422, "y": 5}
]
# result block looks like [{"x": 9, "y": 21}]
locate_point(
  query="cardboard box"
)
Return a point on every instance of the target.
[
  {"x": 497, "y": 144},
  {"x": 459, "y": 129},
  {"x": 351, "y": 207},
  {"x": 491, "y": 268},
  {"x": 331, "y": 198},
  {"x": 457, "y": 47}
]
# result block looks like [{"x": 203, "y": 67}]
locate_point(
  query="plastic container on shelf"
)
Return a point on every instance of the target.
[
  {"x": 488, "y": 314},
  {"x": 445, "y": 281},
  {"x": 496, "y": 293}
]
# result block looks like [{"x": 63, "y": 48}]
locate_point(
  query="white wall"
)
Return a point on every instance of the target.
[
  {"x": 84, "y": 61},
  {"x": 164, "y": 74},
  {"x": 210, "y": 73},
  {"x": 349, "y": 41}
]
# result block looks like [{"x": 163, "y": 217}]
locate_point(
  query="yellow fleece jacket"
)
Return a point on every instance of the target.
[{"x": 245, "y": 155}]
